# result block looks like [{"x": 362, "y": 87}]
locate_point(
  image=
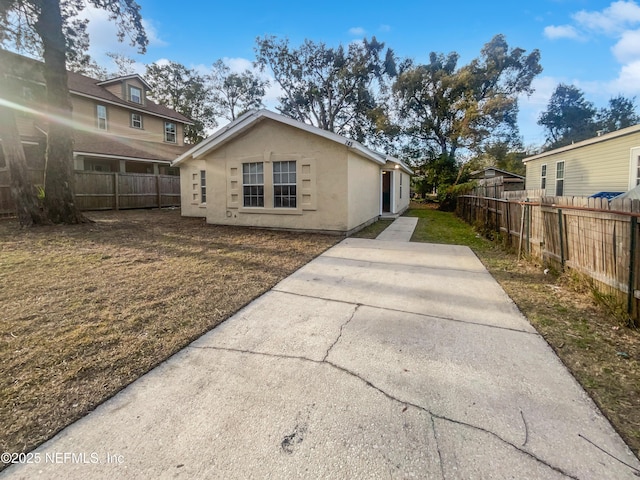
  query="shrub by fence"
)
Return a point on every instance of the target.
[
  {"x": 108, "y": 191},
  {"x": 590, "y": 235}
]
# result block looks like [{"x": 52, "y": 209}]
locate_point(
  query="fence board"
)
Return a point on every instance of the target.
[
  {"x": 107, "y": 190},
  {"x": 560, "y": 230}
]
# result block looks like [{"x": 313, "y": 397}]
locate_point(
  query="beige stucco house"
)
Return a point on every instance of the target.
[
  {"x": 607, "y": 163},
  {"x": 268, "y": 170}
]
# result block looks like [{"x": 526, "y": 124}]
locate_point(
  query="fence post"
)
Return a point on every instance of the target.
[
  {"x": 560, "y": 225},
  {"x": 508, "y": 220},
  {"x": 632, "y": 266},
  {"x": 158, "y": 191},
  {"x": 116, "y": 191},
  {"x": 527, "y": 212}
]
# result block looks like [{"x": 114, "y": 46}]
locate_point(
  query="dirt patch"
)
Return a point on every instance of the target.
[{"x": 87, "y": 309}]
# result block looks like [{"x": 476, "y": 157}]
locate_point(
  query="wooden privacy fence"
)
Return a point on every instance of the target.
[
  {"x": 108, "y": 190},
  {"x": 497, "y": 187},
  {"x": 590, "y": 235}
]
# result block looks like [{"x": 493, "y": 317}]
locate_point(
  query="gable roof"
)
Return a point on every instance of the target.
[
  {"x": 499, "y": 170},
  {"x": 84, "y": 86},
  {"x": 89, "y": 87},
  {"x": 251, "y": 118},
  {"x": 589, "y": 141}
]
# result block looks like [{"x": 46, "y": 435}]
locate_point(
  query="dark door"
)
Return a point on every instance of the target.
[{"x": 386, "y": 191}]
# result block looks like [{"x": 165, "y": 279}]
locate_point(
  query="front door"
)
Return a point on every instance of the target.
[{"x": 386, "y": 192}]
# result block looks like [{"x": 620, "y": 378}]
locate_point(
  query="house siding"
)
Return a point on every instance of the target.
[
  {"x": 119, "y": 121},
  {"x": 364, "y": 190},
  {"x": 602, "y": 166},
  {"x": 117, "y": 89}
]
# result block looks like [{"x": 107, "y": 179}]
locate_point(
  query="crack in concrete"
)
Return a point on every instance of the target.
[
  {"x": 526, "y": 429},
  {"x": 435, "y": 436},
  {"x": 340, "y": 334},
  {"x": 398, "y": 400},
  {"x": 397, "y": 310}
]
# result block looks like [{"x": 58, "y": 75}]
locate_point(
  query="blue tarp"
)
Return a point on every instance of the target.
[{"x": 607, "y": 195}]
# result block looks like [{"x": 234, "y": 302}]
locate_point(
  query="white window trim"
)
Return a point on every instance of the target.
[
  {"x": 274, "y": 184},
  {"x": 131, "y": 88},
  {"x": 254, "y": 185},
  {"x": 98, "y": 117},
  {"x": 203, "y": 187},
  {"x": 141, "y": 122},
  {"x": 634, "y": 160},
  {"x": 544, "y": 168},
  {"x": 174, "y": 133},
  {"x": 564, "y": 175}
]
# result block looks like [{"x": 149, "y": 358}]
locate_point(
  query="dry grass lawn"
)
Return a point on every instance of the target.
[{"x": 87, "y": 309}]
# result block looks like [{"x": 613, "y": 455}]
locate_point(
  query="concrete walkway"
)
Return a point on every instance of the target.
[
  {"x": 376, "y": 360},
  {"x": 400, "y": 230}
]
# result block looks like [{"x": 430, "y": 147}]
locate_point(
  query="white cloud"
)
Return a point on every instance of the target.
[
  {"x": 620, "y": 21},
  {"x": 238, "y": 65},
  {"x": 628, "y": 47},
  {"x": 152, "y": 34},
  {"x": 103, "y": 38},
  {"x": 628, "y": 81},
  {"x": 554, "y": 32},
  {"x": 531, "y": 106},
  {"x": 385, "y": 28},
  {"x": 162, "y": 62},
  {"x": 357, "y": 31},
  {"x": 612, "y": 20}
]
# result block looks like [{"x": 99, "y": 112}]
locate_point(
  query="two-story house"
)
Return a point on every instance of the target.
[{"x": 117, "y": 128}]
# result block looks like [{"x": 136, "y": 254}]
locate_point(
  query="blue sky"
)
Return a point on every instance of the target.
[{"x": 594, "y": 45}]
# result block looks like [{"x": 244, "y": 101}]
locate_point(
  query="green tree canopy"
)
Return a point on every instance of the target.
[
  {"x": 185, "y": 91},
  {"x": 569, "y": 117},
  {"x": 443, "y": 108},
  {"x": 235, "y": 93},
  {"x": 620, "y": 113},
  {"x": 335, "y": 89}
]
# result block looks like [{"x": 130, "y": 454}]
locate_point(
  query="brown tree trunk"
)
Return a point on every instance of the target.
[
  {"x": 23, "y": 192},
  {"x": 59, "y": 200}
]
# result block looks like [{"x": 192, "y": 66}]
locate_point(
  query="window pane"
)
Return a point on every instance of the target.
[
  {"x": 203, "y": 186},
  {"x": 253, "y": 184},
  {"x": 170, "y": 132},
  {"x": 101, "y": 113},
  {"x": 284, "y": 184},
  {"x": 136, "y": 95}
]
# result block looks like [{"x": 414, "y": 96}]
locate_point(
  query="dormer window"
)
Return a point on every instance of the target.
[{"x": 135, "y": 94}]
